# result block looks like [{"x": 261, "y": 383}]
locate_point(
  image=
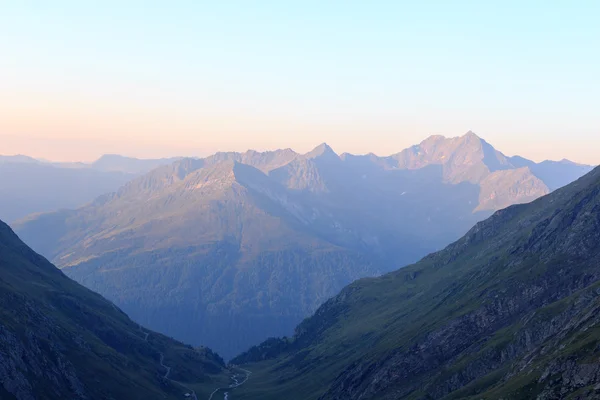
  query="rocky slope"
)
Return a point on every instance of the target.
[
  {"x": 59, "y": 340},
  {"x": 202, "y": 249},
  {"x": 208, "y": 251},
  {"x": 510, "y": 311}
]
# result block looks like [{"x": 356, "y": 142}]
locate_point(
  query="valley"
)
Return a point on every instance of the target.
[
  {"x": 252, "y": 242},
  {"x": 278, "y": 200}
]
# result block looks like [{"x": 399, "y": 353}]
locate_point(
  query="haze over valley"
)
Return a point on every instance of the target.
[
  {"x": 202, "y": 249},
  {"x": 336, "y": 200},
  {"x": 33, "y": 186}
]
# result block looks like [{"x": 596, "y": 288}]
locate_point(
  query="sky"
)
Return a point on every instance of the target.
[{"x": 165, "y": 78}]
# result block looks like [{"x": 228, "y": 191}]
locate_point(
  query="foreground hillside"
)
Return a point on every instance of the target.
[
  {"x": 59, "y": 340},
  {"x": 203, "y": 249},
  {"x": 510, "y": 311}
]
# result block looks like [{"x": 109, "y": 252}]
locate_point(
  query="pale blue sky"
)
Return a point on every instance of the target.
[{"x": 150, "y": 78}]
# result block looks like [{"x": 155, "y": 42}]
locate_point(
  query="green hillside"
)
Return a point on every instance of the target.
[
  {"x": 509, "y": 311},
  {"x": 59, "y": 340}
]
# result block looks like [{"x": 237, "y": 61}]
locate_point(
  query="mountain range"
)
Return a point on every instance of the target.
[
  {"x": 59, "y": 340},
  {"x": 28, "y": 185},
  {"x": 509, "y": 311},
  {"x": 202, "y": 249}
]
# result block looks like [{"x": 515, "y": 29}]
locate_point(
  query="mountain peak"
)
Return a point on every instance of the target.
[
  {"x": 432, "y": 139},
  {"x": 465, "y": 158},
  {"x": 471, "y": 135},
  {"x": 106, "y": 158},
  {"x": 322, "y": 150}
]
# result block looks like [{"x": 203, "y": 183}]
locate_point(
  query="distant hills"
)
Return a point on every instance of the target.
[
  {"x": 19, "y": 158},
  {"x": 203, "y": 249},
  {"x": 509, "y": 311},
  {"x": 129, "y": 165},
  {"x": 31, "y": 186},
  {"x": 106, "y": 163},
  {"x": 59, "y": 340}
]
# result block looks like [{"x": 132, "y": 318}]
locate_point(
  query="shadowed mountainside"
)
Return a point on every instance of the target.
[
  {"x": 202, "y": 249},
  {"x": 509, "y": 311},
  {"x": 60, "y": 340}
]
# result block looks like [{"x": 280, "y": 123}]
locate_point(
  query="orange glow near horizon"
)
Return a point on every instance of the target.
[
  {"x": 78, "y": 128},
  {"x": 80, "y": 79}
]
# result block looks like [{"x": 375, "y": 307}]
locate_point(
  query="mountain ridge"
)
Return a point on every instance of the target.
[{"x": 269, "y": 236}]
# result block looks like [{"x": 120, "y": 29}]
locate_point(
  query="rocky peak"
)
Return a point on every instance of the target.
[
  {"x": 221, "y": 174},
  {"x": 161, "y": 178},
  {"x": 470, "y": 135},
  {"x": 433, "y": 139},
  {"x": 322, "y": 151}
]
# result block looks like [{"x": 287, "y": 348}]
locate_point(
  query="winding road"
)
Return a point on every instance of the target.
[
  {"x": 192, "y": 393},
  {"x": 162, "y": 359},
  {"x": 234, "y": 385},
  {"x": 166, "y": 367}
]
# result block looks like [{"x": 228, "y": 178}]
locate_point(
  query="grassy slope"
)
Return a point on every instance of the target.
[
  {"x": 373, "y": 319},
  {"x": 106, "y": 350}
]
